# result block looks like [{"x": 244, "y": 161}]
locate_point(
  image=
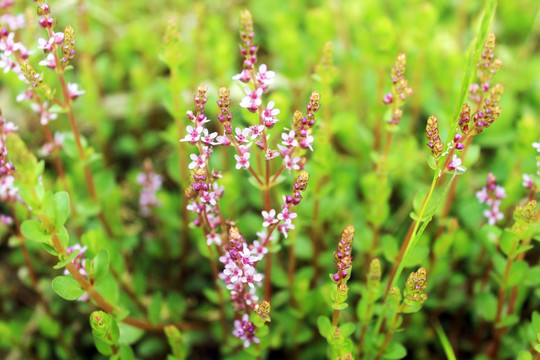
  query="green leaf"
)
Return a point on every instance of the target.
[
  {"x": 536, "y": 321},
  {"x": 395, "y": 351},
  {"x": 347, "y": 329},
  {"x": 518, "y": 273},
  {"x": 154, "y": 311},
  {"x": 340, "y": 306},
  {"x": 32, "y": 230},
  {"x": 58, "y": 209},
  {"x": 445, "y": 343},
  {"x": 68, "y": 259},
  {"x": 508, "y": 321},
  {"x": 67, "y": 287},
  {"x": 485, "y": 305},
  {"x": 524, "y": 355},
  {"x": 101, "y": 265},
  {"x": 324, "y": 325},
  {"x": 507, "y": 242},
  {"x": 63, "y": 236}
]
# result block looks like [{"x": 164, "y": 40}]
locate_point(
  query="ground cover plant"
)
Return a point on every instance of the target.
[{"x": 269, "y": 180}]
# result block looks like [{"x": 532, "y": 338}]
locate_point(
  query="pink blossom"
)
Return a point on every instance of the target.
[
  {"x": 269, "y": 217},
  {"x": 193, "y": 134},
  {"x": 269, "y": 115},
  {"x": 44, "y": 113},
  {"x": 264, "y": 76},
  {"x": 289, "y": 140},
  {"x": 209, "y": 197},
  {"x": 213, "y": 238},
  {"x": 251, "y": 277},
  {"x": 245, "y": 330},
  {"x": 74, "y": 91},
  {"x": 285, "y": 215},
  {"x": 252, "y": 100},
  {"x": 242, "y": 161},
  {"x": 455, "y": 164},
  {"x": 536, "y": 145},
  {"x": 271, "y": 154},
  {"x": 493, "y": 215},
  {"x": 6, "y": 220},
  {"x": 292, "y": 163},
  {"x": 527, "y": 181},
  {"x": 258, "y": 250},
  {"x": 285, "y": 227},
  {"x": 208, "y": 139},
  {"x": 242, "y": 135},
  {"x": 197, "y": 161},
  {"x": 255, "y": 131},
  {"x": 307, "y": 142},
  {"x": 7, "y": 45},
  {"x": 49, "y": 61},
  {"x": 223, "y": 140},
  {"x": 243, "y": 76}
]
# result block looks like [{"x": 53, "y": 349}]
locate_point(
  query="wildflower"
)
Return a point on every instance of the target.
[
  {"x": 193, "y": 134},
  {"x": 289, "y": 139},
  {"x": 285, "y": 215},
  {"x": 264, "y": 76},
  {"x": 6, "y": 220},
  {"x": 269, "y": 115},
  {"x": 285, "y": 227},
  {"x": 151, "y": 183},
  {"x": 252, "y": 100},
  {"x": 197, "y": 161},
  {"x": 74, "y": 91},
  {"x": 242, "y": 161},
  {"x": 49, "y": 61},
  {"x": 243, "y": 76},
  {"x": 245, "y": 330},
  {"x": 269, "y": 217},
  {"x": 213, "y": 238},
  {"x": 455, "y": 164},
  {"x": 43, "y": 111},
  {"x": 491, "y": 194},
  {"x": 527, "y": 181}
]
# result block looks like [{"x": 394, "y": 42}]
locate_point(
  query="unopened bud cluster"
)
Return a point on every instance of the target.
[
  {"x": 400, "y": 90},
  {"x": 247, "y": 47},
  {"x": 342, "y": 256},
  {"x": 303, "y": 125},
  {"x": 524, "y": 216},
  {"x": 434, "y": 140},
  {"x": 414, "y": 296},
  {"x": 224, "y": 103}
]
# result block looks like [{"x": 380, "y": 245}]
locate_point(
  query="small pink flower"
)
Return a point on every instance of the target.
[
  {"x": 74, "y": 91},
  {"x": 307, "y": 143},
  {"x": 265, "y": 76},
  {"x": 209, "y": 197},
  {"x": 242, "y": 135},
  {"x": 269, "y": 115},
  {"x": 493, "y": 215},
  {"x": 243, "y": 76},
  {"x": 289, "y": 140},
  {"x": 46, "y": 44},
  {"x": 252, "y": 100},
  {"x": 292, "y": 163},
  {"x": 213, "y": 238},
  {"x": 527, "y": 181},
  {"x": 482, "y": 195},
  {"x": 242, "y": 161},
  {"x": 258, "y": 250},
  {"x": 193, "y": 134},
  {"x": 208, "y": 139},
  {"x": 285, "y": 227},
  {"x": 536, "y": 145},
  {"x": 49, "y": 61},
  {"x": 455, "y": 164},
  {"x": 285, "y": 215},
  {"x": 271, "y": 154},
  {"x": 223, "y": 140},
  {"x": 269, "y": 217},
  {"x": 197, "y": 161}
]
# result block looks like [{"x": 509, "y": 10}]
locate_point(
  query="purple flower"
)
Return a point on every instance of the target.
[
  {"x": 285, "y": 215},
  {"x": 245, "y": 330}
]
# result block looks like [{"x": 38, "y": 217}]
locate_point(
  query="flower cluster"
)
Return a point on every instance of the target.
[
  {"x": 284, "y": 219},
  {"x": 400, "y": 89},
  {"x": 14, "y": 57},
  {"x": 524, "y": 217},
  {"x": 241, "y": 278},
  {"x": 151, "y": 183},
  {"x": 491, "y": 194},
  {"x": 343, "y": 257},
  {"x": 8, "y": 191}
]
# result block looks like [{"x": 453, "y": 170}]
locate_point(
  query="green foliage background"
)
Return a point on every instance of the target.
[{"x": 127, "y": 115}]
